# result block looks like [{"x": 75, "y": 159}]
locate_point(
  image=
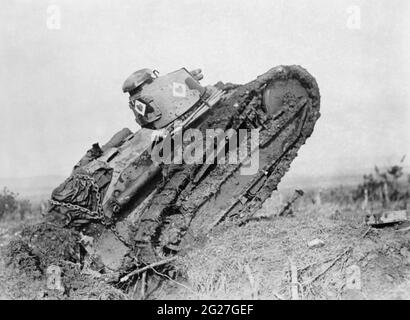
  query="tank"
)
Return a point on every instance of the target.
[{"x": 201, "y": 155}]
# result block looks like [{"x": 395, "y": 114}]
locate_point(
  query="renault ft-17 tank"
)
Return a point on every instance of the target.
[{"x": 144, "y": 196}]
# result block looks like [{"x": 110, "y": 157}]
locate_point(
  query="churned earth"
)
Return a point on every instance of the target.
[{"x": 252, "y": 261}]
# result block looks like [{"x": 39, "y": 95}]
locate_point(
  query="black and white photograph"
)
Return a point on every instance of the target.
[{"x": 173, "y": 152}]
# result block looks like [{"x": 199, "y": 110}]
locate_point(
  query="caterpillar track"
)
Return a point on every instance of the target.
[{"x": 179, "y": 204}]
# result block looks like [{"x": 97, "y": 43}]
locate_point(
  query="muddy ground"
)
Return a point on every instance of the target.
[{"x": 249, "y": 262}]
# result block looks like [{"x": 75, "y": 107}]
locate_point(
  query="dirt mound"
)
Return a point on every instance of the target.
[
  {"x": 29, "y": 257},
  {"x": 41, "y": 245}
]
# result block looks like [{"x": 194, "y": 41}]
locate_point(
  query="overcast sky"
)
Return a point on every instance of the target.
[{"x": 60, "y": 89}]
